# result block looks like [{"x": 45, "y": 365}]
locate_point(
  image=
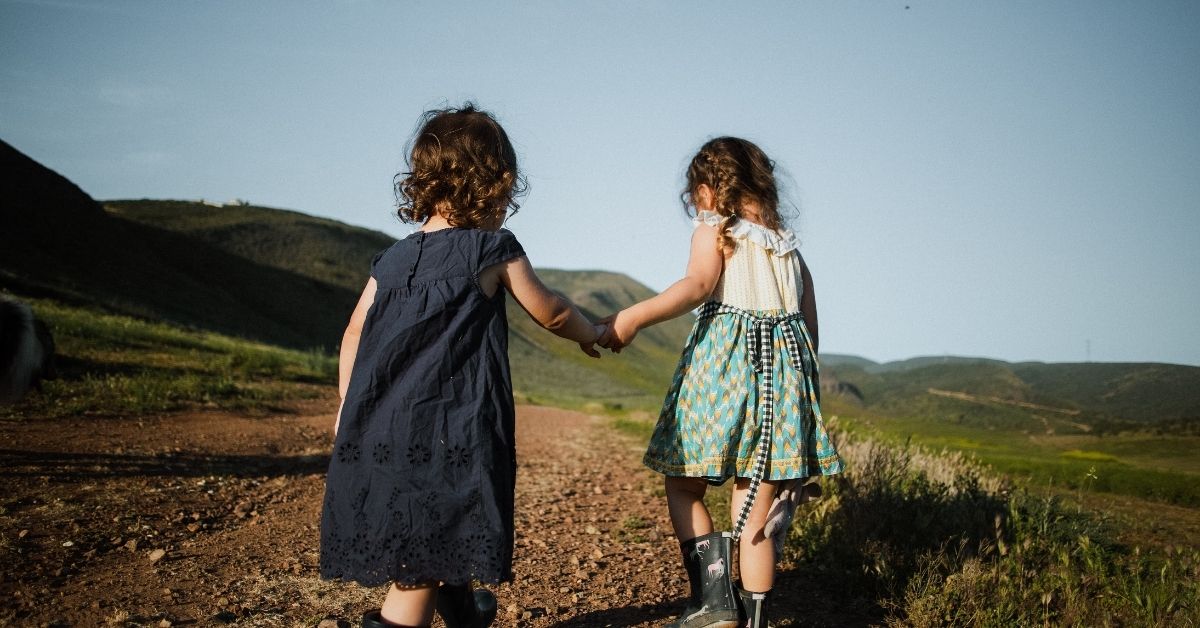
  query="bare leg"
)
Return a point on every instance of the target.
[
  {"x": 685, "y": 501},
  {"x": 410, "y": 604},
  {"x": 756, "y": 553}
]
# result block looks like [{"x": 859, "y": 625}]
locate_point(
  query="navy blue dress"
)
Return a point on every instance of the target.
[{"x": 420, "y": 485}]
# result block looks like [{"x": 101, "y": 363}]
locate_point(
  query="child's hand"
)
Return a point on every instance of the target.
[
  {"x": 602, "y": 334},
  {"x": 622, "y": 330}
]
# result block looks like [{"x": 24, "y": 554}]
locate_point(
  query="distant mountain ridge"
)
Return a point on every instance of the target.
[
  {"x": 870, "y": 366},
  {"x": 1090, "y": 392}
]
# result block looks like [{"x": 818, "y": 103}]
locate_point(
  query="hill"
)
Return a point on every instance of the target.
[
  {"x": 58, "y": 242},
  {"x": 279, "y": 277},
  {"x": 545, "y": 368},
  {"x": 326, "y": 250},
  {"x": 998, "y": 394}
]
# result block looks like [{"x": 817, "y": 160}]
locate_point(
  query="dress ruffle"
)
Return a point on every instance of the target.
[{"x": 779, "y": 242}]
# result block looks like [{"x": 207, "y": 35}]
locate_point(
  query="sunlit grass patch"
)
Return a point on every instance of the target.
[
  {"x": 1133, "y": 465},
  {"x": 639, "y": 428},
  {"x": 1095, "y": 456},
  {"x": 118, "y": 365}
]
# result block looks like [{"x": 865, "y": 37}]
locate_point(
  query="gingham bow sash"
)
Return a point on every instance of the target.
[{"x": 761, "y": 348}]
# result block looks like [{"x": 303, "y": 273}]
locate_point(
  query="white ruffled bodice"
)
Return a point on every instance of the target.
[{"x": 764, "y": 271}]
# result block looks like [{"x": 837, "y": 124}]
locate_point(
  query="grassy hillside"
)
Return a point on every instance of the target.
[
  {"x": 1050, "y": 424},
  {"x": 110, "y": 364},
  {"x": 325, "y": 250},
  {"x": 546, "y": 369},
  {"x": 1124, "y": 429},
  {"x": 1088, "y": 394},
  {"x": 1146, "y": 393}
]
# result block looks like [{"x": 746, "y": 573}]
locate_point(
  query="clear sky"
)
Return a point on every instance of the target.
[{"x": 1018, "y": 180}]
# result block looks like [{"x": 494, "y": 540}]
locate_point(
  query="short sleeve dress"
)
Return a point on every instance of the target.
[{"x": 420, "y": 484}]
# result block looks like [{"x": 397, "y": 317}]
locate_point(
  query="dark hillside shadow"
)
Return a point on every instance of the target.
[{"x": 58, "y": 241}]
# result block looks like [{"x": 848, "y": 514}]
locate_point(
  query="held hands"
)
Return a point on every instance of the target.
[
  {"x": 621, "y": 331},
  {"x": 613, "y": 332},
  {"x": 603, "y": 332}
]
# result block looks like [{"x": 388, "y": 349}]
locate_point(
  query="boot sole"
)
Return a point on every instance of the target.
[{"x": 715, "y": 623}]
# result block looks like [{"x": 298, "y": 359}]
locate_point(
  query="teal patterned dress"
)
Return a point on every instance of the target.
[{"x": 742, "y": 365}]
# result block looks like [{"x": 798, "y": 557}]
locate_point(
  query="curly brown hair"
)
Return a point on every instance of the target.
[
  {"x": 461, "y": 166},
  {"x": 739, "y": 173}
]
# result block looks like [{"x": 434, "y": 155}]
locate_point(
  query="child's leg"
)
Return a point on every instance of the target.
[
  {"x": 410, "y": 604},
  {"x": 756, "y": 553},
  {"x": 707, "y": 558},
  {"x": 685, "y": 501}
]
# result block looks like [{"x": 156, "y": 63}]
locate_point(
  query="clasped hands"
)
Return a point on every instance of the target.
[{"x": 613, "y": 332}]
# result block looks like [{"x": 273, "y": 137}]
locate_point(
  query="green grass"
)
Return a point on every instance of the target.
[
  {"x": 118, "y": 365},
  {"x": 1129, "y": 463},
  {"x": 1094, "y": 456},
  {"x": 640, "y": 429}
]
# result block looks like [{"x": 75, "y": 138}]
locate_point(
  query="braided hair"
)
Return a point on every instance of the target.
[{"x": 739, "y": 173}]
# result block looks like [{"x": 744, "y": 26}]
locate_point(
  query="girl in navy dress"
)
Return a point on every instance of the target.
[{"x": 420, "y": 485}]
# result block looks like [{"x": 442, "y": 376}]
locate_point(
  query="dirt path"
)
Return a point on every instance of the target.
[{"x": 210, "y": 518}]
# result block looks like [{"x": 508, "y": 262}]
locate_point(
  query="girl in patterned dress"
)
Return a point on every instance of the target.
[
  {"x": 420, "y": 484},
  {"x": 744, "y": 400}
]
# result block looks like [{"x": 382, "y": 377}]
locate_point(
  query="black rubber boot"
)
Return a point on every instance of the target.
[
  {"x": 713, "y": 603},
  {"x": 372, "y": 619},
  {"x": 755, "y": 608},
  {"x": 460, "y": 607}
]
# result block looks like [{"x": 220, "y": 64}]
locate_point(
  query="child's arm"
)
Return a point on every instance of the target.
[
  {"x": 704, "y": 268},
  {"x": 808, "y": 304},
  {"x": 553, "y": 312},
  {"x": 350, "y": 344}
]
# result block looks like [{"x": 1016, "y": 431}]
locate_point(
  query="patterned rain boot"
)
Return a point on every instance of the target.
[
  {"x": 372, "y": 619},
  {"x": 712, "y": 603},
  {"x": 755, "y": 608},
  {"x": 460, "y": 607}
]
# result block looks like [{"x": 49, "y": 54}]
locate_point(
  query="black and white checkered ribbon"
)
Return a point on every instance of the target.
[{"x": 761, "y": 348}]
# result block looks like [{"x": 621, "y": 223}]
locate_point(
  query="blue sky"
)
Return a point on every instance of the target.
[{"x": 1017, "y": 180}]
